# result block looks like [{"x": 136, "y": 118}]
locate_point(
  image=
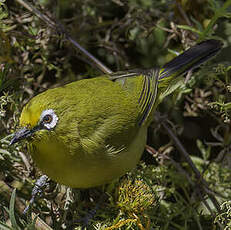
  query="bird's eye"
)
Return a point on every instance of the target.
[{"x": 47, "y": 119}]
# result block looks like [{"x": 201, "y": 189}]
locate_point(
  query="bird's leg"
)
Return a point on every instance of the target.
[
  {"x": 89, "y": 216},
  {"x": 86, "y": 220},
  {"x": 37, "y": 190}
]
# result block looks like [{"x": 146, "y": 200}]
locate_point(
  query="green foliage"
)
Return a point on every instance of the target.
[
  {"x": 225, "y": 216},
  {"x": 135, "y": 197},
  {"x": 163, "y": 192}
]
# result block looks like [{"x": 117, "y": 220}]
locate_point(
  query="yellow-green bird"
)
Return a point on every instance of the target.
[{"x": 91, "y": 131}]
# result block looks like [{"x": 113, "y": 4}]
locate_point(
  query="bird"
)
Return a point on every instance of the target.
[{"x": 89, "y": 132}]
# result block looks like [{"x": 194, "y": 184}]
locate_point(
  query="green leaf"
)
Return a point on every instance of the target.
[
  {"x": 11, "y": 211},
  {"x": 185, "y": 27}
]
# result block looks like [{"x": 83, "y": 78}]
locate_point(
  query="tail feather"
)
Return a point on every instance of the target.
[
  {"x": 191, "y": 58},
  {"x": 169, "y": 77}
]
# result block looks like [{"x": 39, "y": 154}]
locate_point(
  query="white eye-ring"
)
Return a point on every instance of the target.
[{"x": 48, "y": 119}]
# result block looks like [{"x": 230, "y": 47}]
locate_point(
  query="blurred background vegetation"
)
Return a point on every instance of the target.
[{"x": 163, "y": 192}]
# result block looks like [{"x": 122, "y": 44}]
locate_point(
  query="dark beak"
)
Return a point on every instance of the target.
[{"x": 21, "y": 134}]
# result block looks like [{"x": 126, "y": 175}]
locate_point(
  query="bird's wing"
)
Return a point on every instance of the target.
[{"x": 148, "y": 92}]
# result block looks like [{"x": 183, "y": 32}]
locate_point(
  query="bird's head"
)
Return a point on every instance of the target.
[{"x": 38, "y": 117}]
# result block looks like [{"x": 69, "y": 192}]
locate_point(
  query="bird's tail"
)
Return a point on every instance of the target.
[
  {"x": 188, "y": 60},
  {"x": 191, "y": 58}
]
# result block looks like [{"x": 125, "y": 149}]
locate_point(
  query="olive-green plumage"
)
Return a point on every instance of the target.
[{"x": 92, "y": 131}]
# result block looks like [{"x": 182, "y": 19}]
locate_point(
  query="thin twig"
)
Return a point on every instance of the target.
[
  {"x": 184, "y": 15},
  {"x": 25, "y": 160},
  {"x": 58, "y": 27},
  {"x": 183, "y": 151},
  {"x": 181, "y": 170}
]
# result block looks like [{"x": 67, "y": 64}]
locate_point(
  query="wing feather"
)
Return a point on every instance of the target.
[{"x": 148, "y": 92}]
